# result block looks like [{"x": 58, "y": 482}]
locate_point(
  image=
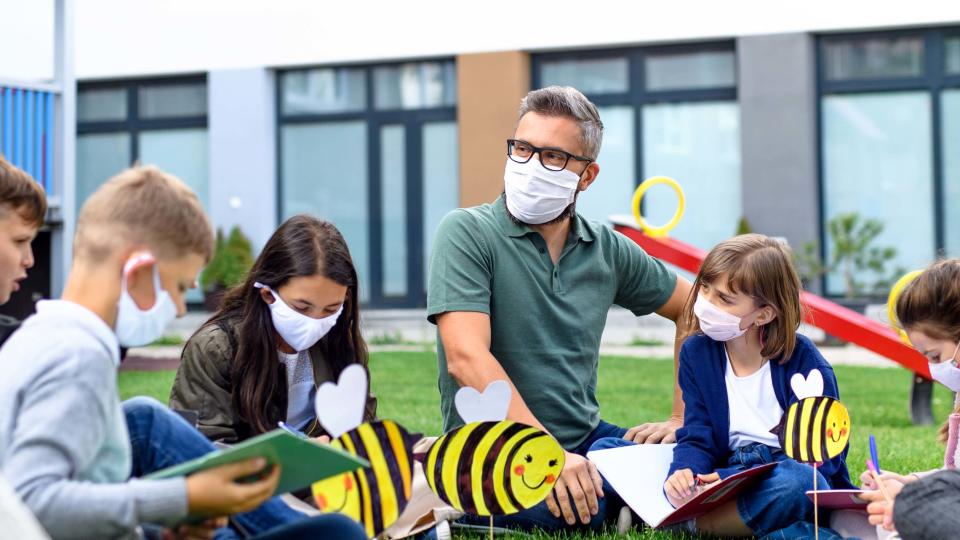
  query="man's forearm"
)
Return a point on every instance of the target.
[{"x": 479, "y": 370}]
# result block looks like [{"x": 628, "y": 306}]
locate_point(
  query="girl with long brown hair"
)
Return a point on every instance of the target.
[{"x": 292, "y": 324}]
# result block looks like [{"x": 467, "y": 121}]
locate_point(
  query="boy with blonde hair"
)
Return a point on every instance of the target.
[{"x": 67, "y": 445}]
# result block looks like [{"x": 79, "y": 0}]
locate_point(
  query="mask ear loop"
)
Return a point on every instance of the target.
[{"x": 138, "y": 260}]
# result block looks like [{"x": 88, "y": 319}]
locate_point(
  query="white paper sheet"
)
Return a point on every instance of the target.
[{"x": 637, "y": 473}]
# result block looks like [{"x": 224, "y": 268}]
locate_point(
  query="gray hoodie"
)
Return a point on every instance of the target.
[{"x": 64, "y": 446}]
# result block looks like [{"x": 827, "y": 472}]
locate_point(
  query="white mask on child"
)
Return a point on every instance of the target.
[
  {"x": 716, "y": 323},
  {"x": 137, "y": 327},
  {"x": 298, "y": 330},
  {"x": 946, "y": 373},
  {"x": 536, "y": 195}
]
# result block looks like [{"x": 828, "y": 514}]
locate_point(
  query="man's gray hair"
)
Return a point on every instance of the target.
[{"x": 568, "y": 102}]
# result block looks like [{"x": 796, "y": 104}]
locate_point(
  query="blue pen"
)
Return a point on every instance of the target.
[
  {"x": 873, "y": 453},
  {"x": 291, "y": 430}
]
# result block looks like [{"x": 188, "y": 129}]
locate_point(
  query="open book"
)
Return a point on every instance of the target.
[
  {"x": 638, "y": 472},
  {"x": 302, "y": 461}
]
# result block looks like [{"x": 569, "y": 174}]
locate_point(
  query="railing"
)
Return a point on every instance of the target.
[{"x": 27, "y": 132}]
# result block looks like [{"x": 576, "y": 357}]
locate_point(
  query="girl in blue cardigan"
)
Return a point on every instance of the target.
[{"x": 735, "y": 368}]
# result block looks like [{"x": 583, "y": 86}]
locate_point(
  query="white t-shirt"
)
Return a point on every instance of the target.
[
  {"x": 754, "y": 409},
  {"x": 301, "y": 389}
]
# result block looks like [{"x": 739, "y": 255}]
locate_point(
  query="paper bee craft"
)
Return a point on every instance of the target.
[
  {"x": 492, "y": 466},
  {"x": 816, "y": 427},
  {"x": 374, "y": 496}
]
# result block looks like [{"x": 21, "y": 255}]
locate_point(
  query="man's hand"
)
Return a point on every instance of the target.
[
  {"x": 581, "y": 481},
  {"x": 880, "y": 511},
  {"x": 655, "y": 432},
  {"x": 201, "y": 531}
]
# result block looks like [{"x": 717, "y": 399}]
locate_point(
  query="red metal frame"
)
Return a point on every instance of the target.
[{"x": 832, "y": 318}]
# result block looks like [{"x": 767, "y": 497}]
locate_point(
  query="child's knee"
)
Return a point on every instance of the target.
[
  {"x": 607, "y": 443},
  {"x": 795, "y": 480},
  {"x": 142, "y": 405}
]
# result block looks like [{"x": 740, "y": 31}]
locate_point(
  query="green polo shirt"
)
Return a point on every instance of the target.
[{"x": 546, "y": 319}]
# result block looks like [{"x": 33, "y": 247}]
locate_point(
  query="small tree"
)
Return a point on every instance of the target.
[
  {"x": 852, "y": 254},
  {"x": 232, "y": 259}
]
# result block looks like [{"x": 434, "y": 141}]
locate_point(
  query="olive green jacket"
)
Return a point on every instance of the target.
[{"x": 203, "y": 385}]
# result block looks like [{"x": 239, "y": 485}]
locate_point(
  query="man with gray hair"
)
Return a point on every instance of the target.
[{"x": 520, "y": 288}]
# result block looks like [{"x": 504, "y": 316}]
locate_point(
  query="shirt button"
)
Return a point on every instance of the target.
[{"x": 542, "y": 250}]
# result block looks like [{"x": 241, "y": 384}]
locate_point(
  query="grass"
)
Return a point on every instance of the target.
[
  {"x": 634, "y": 390},
  {"x": 168, "y": 340},
  {"x": 645, "y": 342}
]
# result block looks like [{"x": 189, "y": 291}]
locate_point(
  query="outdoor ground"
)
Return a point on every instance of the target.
[{"x": 632, "y": 390}]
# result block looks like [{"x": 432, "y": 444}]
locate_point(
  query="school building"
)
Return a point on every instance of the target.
[{"x": 382, "y": 117}]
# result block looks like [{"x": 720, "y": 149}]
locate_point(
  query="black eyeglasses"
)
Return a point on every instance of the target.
[{"x": 552, "y": 159}]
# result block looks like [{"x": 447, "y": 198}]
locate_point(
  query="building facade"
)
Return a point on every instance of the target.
[{"x": 783, "y": 126}]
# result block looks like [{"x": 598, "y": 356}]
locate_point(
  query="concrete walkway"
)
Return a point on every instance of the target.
[{"x": 408, "y": 330}]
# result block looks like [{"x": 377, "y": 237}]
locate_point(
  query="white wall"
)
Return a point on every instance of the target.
[
  {"x": 26, "y": 39},
  {"x": 125, "y": 37}
]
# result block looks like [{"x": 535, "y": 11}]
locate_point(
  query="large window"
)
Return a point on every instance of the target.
[
  {"x": 160, "y": 122},
  {"x": 374, "y": 150},
  {"x": 667, "y": 111},
  {"x": 890, "y": 136}
]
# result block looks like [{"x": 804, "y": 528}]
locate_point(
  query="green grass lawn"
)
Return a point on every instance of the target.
[{"x": 635, "y": 390}]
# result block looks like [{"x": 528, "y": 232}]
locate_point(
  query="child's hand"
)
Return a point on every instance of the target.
[
  {"x": 680, "y": 487},
  {"x": 867, "y": 482},
  {"x": 880, "y": 511},
  {"x": 216, "y": 492}
]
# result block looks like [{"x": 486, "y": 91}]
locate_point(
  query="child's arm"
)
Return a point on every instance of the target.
[
  {"x": 695, "y": 448},
  {"x": 61, "y": 422},
  {"x": 203, "y": 384}
]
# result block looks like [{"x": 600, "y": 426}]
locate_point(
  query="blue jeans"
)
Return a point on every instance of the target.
[
  {"x": 539, "y": 516},
  {"x": 160, "y": 438},
  {"x": 777, "y": 507}
]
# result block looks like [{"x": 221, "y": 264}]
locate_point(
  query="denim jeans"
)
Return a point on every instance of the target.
[
  {"x": 539, "y": 517},
  {"x": 777, "y": 507},
  {"x": 160, "y": 438}
]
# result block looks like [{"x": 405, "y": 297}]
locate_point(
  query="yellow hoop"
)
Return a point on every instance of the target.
[
  {"x": 892, "y": 303},
  {"x": 661, "y": 231}
]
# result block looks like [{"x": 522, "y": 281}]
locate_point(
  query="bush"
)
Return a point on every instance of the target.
[{"x": 232, "y": 259}]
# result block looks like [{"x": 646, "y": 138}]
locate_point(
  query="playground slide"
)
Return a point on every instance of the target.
[{"x": 832, "y": 318}]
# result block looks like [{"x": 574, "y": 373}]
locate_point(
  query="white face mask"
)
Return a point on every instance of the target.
[
  {"x": 137, "y": 327},
  {"x": 298, "y": 330},
  {"x": 946, "y": 373},
  {"x": 716, "y": 323},
  {"x": 536, "y": 195}
]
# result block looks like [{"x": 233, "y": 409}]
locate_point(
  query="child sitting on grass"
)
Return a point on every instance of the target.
[{"x": 67, "y": 445}]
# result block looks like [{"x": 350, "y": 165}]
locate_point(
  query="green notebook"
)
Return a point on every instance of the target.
[{"x": 302, "y": 461}]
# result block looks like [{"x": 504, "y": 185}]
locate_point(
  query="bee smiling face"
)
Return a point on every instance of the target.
[
  {"x": 338, "y": 495},
  {"x": 837, "y": 429},
  {"x": 534, "y": 470}
]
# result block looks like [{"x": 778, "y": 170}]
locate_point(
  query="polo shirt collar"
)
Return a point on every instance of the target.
[{"x": 579, "y": 227}]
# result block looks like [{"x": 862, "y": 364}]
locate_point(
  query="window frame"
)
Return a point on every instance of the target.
[
  {"x": 637, "y": 96},
  {"x": 934, "y": 80},
  {"x": 133, "y": 125},
  {"x": 375, "y": 119}
]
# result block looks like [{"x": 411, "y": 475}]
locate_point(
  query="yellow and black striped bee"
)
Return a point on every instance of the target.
[
  {"x": 374, "y": 496},
  {"x": 493, "y": 468},
  {"x": 815, "y": 428}
]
